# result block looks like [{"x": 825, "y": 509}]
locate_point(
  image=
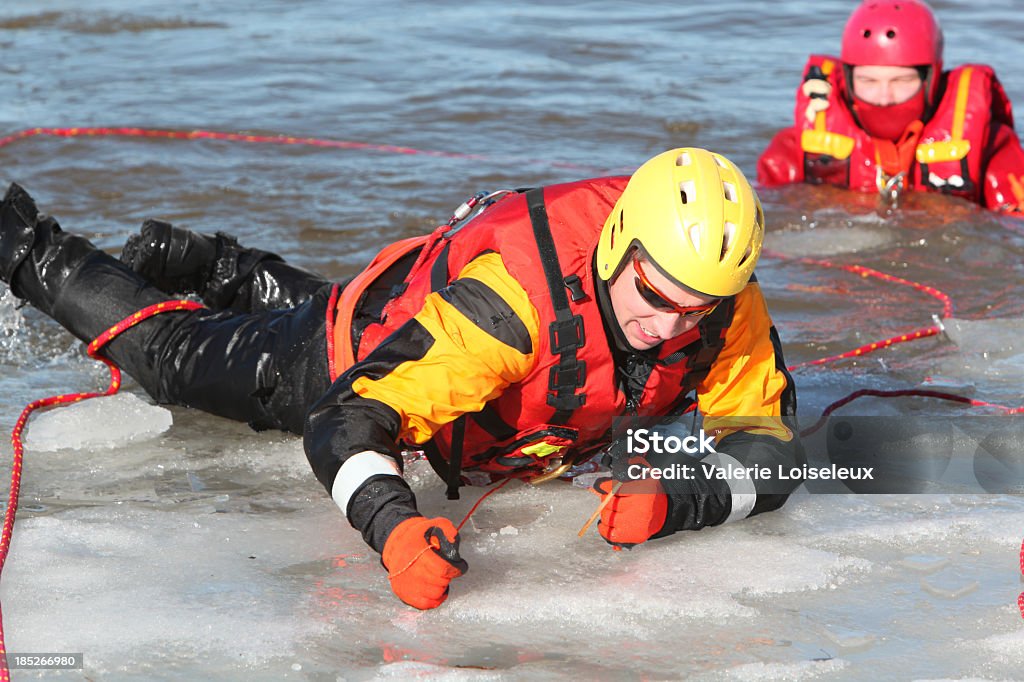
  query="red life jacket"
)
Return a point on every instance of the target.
[
  {"x": 950, "y": 150},
  {"x": 564, "y": 408}
]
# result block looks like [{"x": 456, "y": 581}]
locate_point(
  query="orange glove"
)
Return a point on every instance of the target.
[
  {"x": 637, "y": 511},
  {"x": 422, "y": 557}
]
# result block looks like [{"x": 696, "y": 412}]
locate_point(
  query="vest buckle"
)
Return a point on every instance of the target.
[{"x": 566, "y": 335}]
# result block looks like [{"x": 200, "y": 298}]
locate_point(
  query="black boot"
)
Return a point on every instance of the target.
[
  {"x": 217, "y": 268},
  {"x": 64, "y": 275},
  {"x": 173, "y": 260},
  {"x": 18, "y": 216}
]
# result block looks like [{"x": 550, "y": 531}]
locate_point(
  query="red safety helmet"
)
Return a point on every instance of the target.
[{"x": 895, "y": 33}]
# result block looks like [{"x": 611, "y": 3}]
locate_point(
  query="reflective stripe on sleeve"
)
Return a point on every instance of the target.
[
  {"x": 744, "y": 494},
  {"x": 355, "y": 471}
]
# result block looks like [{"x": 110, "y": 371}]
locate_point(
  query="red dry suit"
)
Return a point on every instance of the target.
[{"x": 967, "y": 147}]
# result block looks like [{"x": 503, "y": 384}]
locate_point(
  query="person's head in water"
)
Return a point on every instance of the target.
[
  {"x": 686, "y": 233},
  {"x": 892, "y": 55}
]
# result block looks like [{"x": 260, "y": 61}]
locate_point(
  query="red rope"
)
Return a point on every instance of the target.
[
  {"x": 267, "y": 139},
  {"x": 19, "y": 427},
  {"x": 947, "y": 302},
  {"x": 947, "y": 311},
  {"x": 1020, "y": 597},
  {"x": 947, "y": 308},
  {"x": 925, "y": 332},
  {"x": 919, "y": 392},
  {"x": 478, "y": 502},
  {"x": 871, "y": 347}
]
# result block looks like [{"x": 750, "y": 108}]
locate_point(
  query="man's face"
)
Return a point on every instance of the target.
[
  {"x": 649, "y": 308},
  {"x": 885, "y": 85}
]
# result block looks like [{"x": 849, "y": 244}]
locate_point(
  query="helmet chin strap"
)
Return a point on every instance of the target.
[{"x": 604, "y": 302}]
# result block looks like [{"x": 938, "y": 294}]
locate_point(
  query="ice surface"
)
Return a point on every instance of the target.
[
  {"x": 408, "y": 670},
  {"x": 202, "y": 550},
  {"x": 98, "y": 422},
  {"x": 215, "y": 544},
  {"x": 768, "y": 672},
  {"x": 1007, "y": 647},
  {"x": 232, "y": 557},
  {"x": 830, "y": 241},
  {"x": 997, "y": 338},
  {"x": 210, "y": 552}
]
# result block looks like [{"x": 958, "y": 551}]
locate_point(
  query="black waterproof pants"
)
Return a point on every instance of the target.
[{"x": 263, "y": 365}]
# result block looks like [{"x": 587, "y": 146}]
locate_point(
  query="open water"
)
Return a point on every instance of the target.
[{"x": 206, "y": 551}]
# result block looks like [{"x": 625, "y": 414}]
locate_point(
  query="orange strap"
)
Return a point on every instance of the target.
[
  {"x": 896, "y": 157},
  {"x": 339, "y": 326},
  {"x": 1017, "y": 186}
]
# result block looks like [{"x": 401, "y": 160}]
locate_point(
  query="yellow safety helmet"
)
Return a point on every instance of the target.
[{"x": 694, "y": 214}]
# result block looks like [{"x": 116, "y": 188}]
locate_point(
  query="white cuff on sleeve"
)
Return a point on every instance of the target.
[
  {"x": 744, "y": 494},
  {"x": 356, "y": 470}
]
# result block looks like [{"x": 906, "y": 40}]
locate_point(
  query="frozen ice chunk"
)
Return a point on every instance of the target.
[
  {"x": 848, "y": 639},
  {"x": 1008, "y": 646},
  {"x": 991, "y": 338},
  {"x": 98, "y": 422},
  {"x": 949, "y": 588},
  {"x": 830, "y": 241},
  {"x": 771, "y": 672},
  {"x": 924, "y": 564}
]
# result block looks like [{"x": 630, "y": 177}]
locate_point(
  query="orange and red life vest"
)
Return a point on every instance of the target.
[
  {"x": 566, "y": 405},
  {"x": 950, "y": 150}
]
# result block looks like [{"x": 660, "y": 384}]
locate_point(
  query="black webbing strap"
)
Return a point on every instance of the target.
[
  {"x": 701, "y": 354},
  {"x": 439, "y": 270},
  {"x": 566, "y": 332},
  {"x": 454, "y": 478},
  {"x": 490, "y": 421}
]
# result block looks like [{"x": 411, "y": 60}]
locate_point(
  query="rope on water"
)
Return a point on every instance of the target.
[{"x": 19, "y": 427}]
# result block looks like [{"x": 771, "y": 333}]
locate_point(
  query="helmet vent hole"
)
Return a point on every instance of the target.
[
  {"x": 890, "y": 34},
  {"x": 719, "y": 161},
  {"x": 687, "y": 191},
  {"x": 728, "y": 233},
  {"x": 730, "y": 191},
  {"x": 746, "y": 257},
  {"x": 867, "y": 33},
  {"x": 611, "y": 232},
  {"x": 694, "y": 233},
  {"x": 683, "y": 159}
]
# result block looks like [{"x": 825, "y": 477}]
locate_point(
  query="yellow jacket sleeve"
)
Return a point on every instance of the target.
[
  {"x": 478, "y": 336},
  {"x": 744, "y": 389}
]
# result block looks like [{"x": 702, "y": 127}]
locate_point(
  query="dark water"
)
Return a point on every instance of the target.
[{"x": 513, "y": 94}]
